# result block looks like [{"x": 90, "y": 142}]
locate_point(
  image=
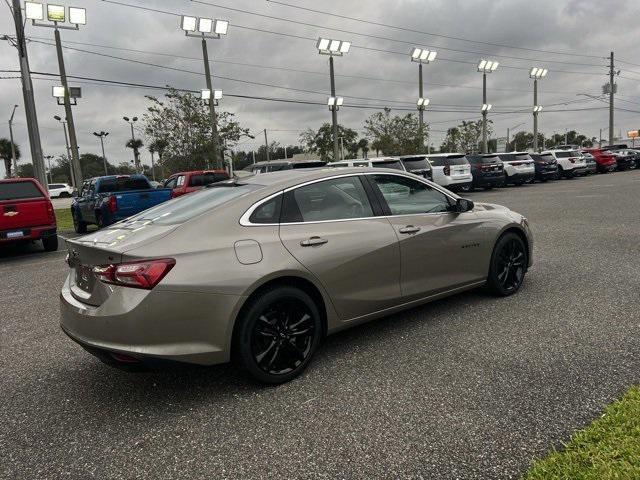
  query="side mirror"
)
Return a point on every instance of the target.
[{"x": 463, "y": 205}]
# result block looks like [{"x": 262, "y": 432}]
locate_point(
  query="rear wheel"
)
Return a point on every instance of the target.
[
  {"x": 50, "y": 244},
  {"x": 100, "y": 221},
  {"x": 508, "y": 265},
  {"x": 78, "y": 225},
  {"x": 277, "y": 335}
]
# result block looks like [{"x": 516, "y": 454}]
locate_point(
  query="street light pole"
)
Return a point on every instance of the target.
[
  {"x": 66, "y": 142},
  {"x": 212, "y": 109},
  {"x": 13, "y": 147},
  {"x": 27, "y": 93},
  {"x": 334, "y": 111},
  {"x": 101, "y": 135},
  {"x": 611, "y": 96},
  {"x": 136, "y": 153},
  {"x": 535, "y": 115},
  {"x": 49, "y": 157},
  {"x": 420, "y": 111},
  {"x": 422, "y": 56},
  {"x": 484, "y": 113}
]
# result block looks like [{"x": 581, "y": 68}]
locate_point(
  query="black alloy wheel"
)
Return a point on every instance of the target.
[
  {"x": 508, "y": 265},
  {"x": 278, "y": 335}
]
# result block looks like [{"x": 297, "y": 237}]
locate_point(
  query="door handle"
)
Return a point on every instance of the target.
[
  {"x": 313, "y": 241},
  {"x": 409, "y": 229}
]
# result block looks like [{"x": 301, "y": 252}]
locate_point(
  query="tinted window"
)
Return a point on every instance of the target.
[
  {"x": 18, "y": 190},
  {"x": 278, "y": 166},
  {"x": 204, "y": 179},
  {"x": 308, "y": 164},
  {"x": 508, "y": 157},
  {"x": 56, "y": 185},
  {"x": 336, "y": 199},
  {"x": 268, "y": 212},
  {"x": 417, "y": 163},
  {"x": 186, "y": 207},
  {"x": 406, "y": 196},
  {"x": 171, "y": 183},
  {"x": 393, "y": 164},
  {"x": 448, "y": 160},
  {"x": 360, "y": 164},
  {"x": 335, "y": 165},
  {"x": 547, "y": 157},
  {"x": 123, "y": 184},
  {"x": 478, "y": 159}
]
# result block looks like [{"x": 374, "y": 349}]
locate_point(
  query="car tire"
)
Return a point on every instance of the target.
[
  {"x": 509, "y": 263},
  {"x": 266, "y": 346},
  {"x": 78, "y": 225},
  {"x": 100, "y": 221},
  {"x": 50, "y": 244},
  {"x": 64, "y": 195}
]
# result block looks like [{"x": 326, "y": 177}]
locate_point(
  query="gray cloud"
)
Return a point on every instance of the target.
[{"x": 581, "y": 26}]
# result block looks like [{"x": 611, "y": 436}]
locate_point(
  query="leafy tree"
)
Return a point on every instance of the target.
[
  {"x": 5, "y": 154},
  {"x": 26, "y": 170},
  {"x": 394, "y": 134},
  {"x": 135, "y": 144},
  {"x": 321, "y": 142},
  {"x": 451, "y": 141},
  {"x": 363, "y": 146},
  {"x": 181, "y": 124}
]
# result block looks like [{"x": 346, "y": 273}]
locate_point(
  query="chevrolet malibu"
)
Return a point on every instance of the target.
[{"x": 259, "y": 270}]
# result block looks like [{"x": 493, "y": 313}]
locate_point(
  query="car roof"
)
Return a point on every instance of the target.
[
  {"x": 17, "y": 180},
  {"x": 198, "y": 172},
  {"x": 452, "y": 154}
]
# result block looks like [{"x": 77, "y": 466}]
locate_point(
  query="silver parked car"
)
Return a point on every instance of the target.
[{"x": 260, "y": 269}]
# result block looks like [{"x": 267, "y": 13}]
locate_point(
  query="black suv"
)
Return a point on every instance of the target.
[
  {"x": 546, "y": 166},
  {"x": 487, "y": 171}
]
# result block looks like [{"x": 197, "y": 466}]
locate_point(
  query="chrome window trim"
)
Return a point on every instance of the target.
[{"x": 244, "y": 219}]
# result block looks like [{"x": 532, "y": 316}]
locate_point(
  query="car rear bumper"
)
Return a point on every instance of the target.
[
  {"x": 28, "y": 233},
  {"x": 521, "y": 177},
  {"x": 545, "y": 174},
  {"x": 488, "y": 181},
  {"x": 153, "y": 325}
]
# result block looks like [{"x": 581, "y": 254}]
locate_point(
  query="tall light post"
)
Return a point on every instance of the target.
[
  {"x": 13, "y": 147},
  {"x": 136, "y": 154},
  {"x": 27, "y": 92},
  {"x": 48, "y": 158},
  {"x": 536, "y": 73},
  {"x": 422, "y": 56},
  {"x": 57, "y": 15},
  {"x": 208, "y": 28},
  {"x": 66, "y": 142},
  {"x": 102, "y": 136},
  {"x": 484, "y": 67},
  {"x": 333, "y": 48}
]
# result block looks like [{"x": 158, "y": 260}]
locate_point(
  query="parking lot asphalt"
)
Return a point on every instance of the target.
[{"x": 467, "y": 387}]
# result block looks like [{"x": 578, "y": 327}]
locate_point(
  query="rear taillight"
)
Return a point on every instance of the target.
[
  {"x": 51, "y": 214},
  {"x": 113, "y": 204},
  {"x": 447, "y": 170},
  {"x": 144, "y": 274}
]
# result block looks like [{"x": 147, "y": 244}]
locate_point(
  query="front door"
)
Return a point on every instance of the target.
[
  {"x": 330, "y": 227},
  {"x": 439, "y": 248}
]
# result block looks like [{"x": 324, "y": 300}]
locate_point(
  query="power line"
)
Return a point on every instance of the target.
[{"x": 450, "y": 37}]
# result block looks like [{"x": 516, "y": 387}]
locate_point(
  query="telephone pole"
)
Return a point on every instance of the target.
[
  {"x": 13, "y": 146},
  {"x": 29, "y": 102},
  {"x": 266, "y": 144},
  {"x": 611, "y": 93}
]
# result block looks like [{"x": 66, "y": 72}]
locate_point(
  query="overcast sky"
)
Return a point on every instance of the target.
[{"x": 585, "y": 27}]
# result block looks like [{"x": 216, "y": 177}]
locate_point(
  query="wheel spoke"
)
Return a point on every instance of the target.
[
  {"x": 304, "y": 318},
  {"x": 274, "y": 356},
  {"x": 298, "y": 333},
  {"x": 294, "y": 349},
  {"x": 261, "y": 356}
]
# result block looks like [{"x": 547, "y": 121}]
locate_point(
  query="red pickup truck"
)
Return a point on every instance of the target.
[
  {"x": 187, "y": 182},
  {"x": 26, "y": 213}
]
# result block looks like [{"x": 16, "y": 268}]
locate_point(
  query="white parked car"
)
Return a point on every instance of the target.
[
  {"x": 60, "y": 190},
  {"x": 451, "y": 170},
  {"x": 519, "y": 167},
  {"x": 570, "y": 162},
  {"x": 377, "y": 162}
]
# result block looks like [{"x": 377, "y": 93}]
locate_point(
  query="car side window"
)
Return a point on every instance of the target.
[
  {"x": 268, "y": 212},
  {"x": 180, "y": 181},
  {"x": 406, "y": 196},
  {"x": 336, "y": 199},
  {"x": 171, "y": 183}
]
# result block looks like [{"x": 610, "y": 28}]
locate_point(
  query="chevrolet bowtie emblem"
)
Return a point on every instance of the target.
[{"x": 10, "y": 214}]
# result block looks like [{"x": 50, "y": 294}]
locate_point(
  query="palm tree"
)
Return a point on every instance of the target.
[
  {"x": 5, "y": 154},
  {"x": 158, "y": 146},
  {"x": 136, "y": 144}
]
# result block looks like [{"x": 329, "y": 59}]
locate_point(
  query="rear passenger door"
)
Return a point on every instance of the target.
[
  {"x": 331, "y": 227},
  {"x": 439, "y": 248}
]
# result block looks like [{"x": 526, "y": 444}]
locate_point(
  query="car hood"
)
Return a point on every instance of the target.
[{"x": 489, "y": 206}]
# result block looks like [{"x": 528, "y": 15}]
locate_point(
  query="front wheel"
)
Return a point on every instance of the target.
[
  {"x": 78, "y": 225},
  {"x": 277, "y": 335},
  {"x": 508, "y": 265}
]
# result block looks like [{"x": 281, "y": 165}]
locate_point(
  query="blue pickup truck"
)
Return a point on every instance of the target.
[{"x": 106, "y": 200}]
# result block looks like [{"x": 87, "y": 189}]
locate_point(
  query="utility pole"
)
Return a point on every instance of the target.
[
  {"x": 484, "y": 113},
  {"x": 253, "y": 154},
  {"x": 153, "y": 166},
  {"x": 27, "y": 93},
  {"x": 611, "y": 93},
  {"x": 600, "y": 139},
  {"x": 218, "y": 154},
  {"x": 266, "y": 144},
  {"x": 13, "y": 147},
  {"x": 75, "y": 158},
  {"x": 334, "y": 110},
  {"x": 285, "y": 152},
  {"x": 49, "y": 157},
  {"x": 507, "y": 148}
]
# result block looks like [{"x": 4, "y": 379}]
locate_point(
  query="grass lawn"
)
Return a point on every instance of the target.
[
  {"x": 609, "y": 448},
  {"x": 64, "y": 220}
]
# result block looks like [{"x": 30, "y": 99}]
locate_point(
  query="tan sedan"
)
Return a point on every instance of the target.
[{"x": 260, "y": 269}]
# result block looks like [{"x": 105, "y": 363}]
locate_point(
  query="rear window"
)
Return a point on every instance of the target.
[
  {"x": 417, "y": 163},
  {"x": 56, "y": 185},
  {"x": 393, "y": 164},
  {"x": 308, "y": 164},
  {"x": 478, "y": 159},
  {"x": 123, "y": 184},
  {"x": 204, "y": 179},
  {"x": 19, "y": 190},
  {"x": 449, "y": 160},
  {"x": 567, "y": 154},
  {"x": 547, "y": 157},
  {"x": 186, "y": 207}
]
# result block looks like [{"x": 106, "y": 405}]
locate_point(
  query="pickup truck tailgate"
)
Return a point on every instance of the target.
[{"x": 131, "y": 203}]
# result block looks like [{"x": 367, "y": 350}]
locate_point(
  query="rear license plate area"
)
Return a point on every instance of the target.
[{"x": 84, "y": 277}]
